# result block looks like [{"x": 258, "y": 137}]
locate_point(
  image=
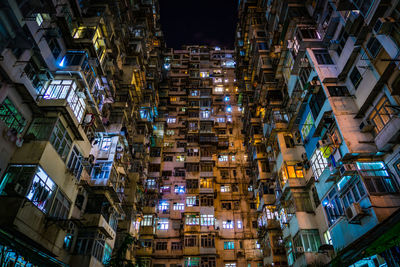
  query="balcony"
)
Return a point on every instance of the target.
[
  {"x": 388, "y": 136},
  {"x": 98, "y": 221}
]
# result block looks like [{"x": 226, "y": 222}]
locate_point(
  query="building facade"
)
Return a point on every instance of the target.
[
  {"x": 75, "y": 77},
  {"x": 318, "y": 86},
  {"x": 198, "y": 209}
]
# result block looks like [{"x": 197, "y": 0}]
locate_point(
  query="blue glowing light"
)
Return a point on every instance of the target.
[
  {"x": 61, "y": 64},
  {"x": 226, "y": 99}
]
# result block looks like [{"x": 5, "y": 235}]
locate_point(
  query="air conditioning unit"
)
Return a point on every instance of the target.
[
  {"x": 299, "y": 250},
  {"x": 334, "y": 44},
  {"x": 354, "y": 212},
  {"x": 346, "y": 169},
  {"x": 19, "y": 189},
  {"x": 383, "y": 26},
  {"x": 366, "y": 126}
]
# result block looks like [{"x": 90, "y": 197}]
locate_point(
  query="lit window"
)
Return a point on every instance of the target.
[
  {"x": 66, "y": 89},
  {"x": 226, "y": 80},
  {"x": 229, "y": 245},
  {"x": 171, "y": 120},
  {"x": 163, "y": 224},
  {"x": 180, "y": 158},
  {"x": 381, "y": 114},
  {"x": 328, "y": 238},
  {"x": 217, "y": 80},
  {"x": 147, "y": 220},
  {"x": 258, "y": 246},
  {"x": 179, "y": 206},
  {"x": 192, "y": 220},
  {"x": 191, "y": 201},
  {"x": 225, "y": 188},
  {"x": 204, "y": 74},
  {"x": 106, "y": 143},
  {"x": 308, "y": 124},
  {"x": 233, "y": 158},
  {"x": 227, "y": 224},
  {"x": 376, "y": 178},
  {"x": 230, "y": 264},
  {"x": 170, "y": 132},
  {"x": 206, "y": 183},
  {"x": 205, "y": 114},
  {"x": 206, "y": 219},
  {"x": 318, "y": 163},
  {"x": 39, "y": 19},
  {"x": 292, "y": 172},
  {"x": 223, "y": 158},
  {"x": 179, "y": 189},
  {"x": 228, "y": 109},
  {"x": 239, "y": 224},
  {"x": 219, "y": 89},
  {"x": 42, "y": 190},
  {"x": 11, "y": 116},
  {"x": 163, "y": 205},
  {"x": 220, "y": 119}
]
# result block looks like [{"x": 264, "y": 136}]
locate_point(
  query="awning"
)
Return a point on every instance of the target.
[{"x": 27, "y": 247}]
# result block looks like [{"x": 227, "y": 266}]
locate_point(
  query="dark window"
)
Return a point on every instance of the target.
[
  {"x": 338, "y": 91},
  {"x": 316, "y": 102},
  {"x": 11, "y": 116},
  {"x": 161, "y": 245},
  {"x": 374, "y": 46},
  {"x": 355, "y": 77},
  {"x": 322, "y": 56}
]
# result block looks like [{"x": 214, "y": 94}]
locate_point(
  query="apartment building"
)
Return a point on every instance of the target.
[
  {"x": 75, "y": 80},
  {"x": 318, "y": 86},
  {"x": 199, "y": 209}
]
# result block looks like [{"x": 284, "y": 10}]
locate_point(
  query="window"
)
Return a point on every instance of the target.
[
  {"x": 192, "y": 167},
  {"x": 226, "y": 205},
  {"x": 229, "y": 245},
  {"x": 60, "y": 207},
  {"x": 308, "y": 239},
  {"x": 91, "y": 243},
  {"x": 54, "y": 46},
  {"x": 193, "y": 152},
  {"x": 230, "y": 264},
  {"x": 206, "y": 219},
  {"x": 171, "y": 120},
  {"x": 61, "y": 140},
  {"x": 381, "y": 114},
  {"x": 292, "y": 172},
  {"x": 179, "y": 206},
  {"x": 107, "y": 253},
  {"x": 161, "y": 245},
  {"x": 220, "y": 119},
  {"x": 180, "y": 158},
  {"x": 179, "y": 189},
  {"x": 289, "y": 252},
  {"x": 151, "y": 184},
  {"x": 176, "y": 245},
  {"x": 167, "y": 158},
  {"x": 354, "y": 194},
  {"x": 227, "y": 224},
  {"x": 192, "y": 184},
  {"x": 163, "y": 224},
  {"x": 75, "y": 163},
  {"x": 206, "y": 183},
  {"x": 223, "y": 158},
  {"x": 205, "y": 114},
  {"x": 338, "y": 91},
  {"x": 374, "y": 46},
  {"x": 207, "y": 241},
  {"x": 332, "y": 206},
  {"x": 355, "y": 77},
  {"x": 239, "y": 224},
  {"x": 66, "y": 89},
  {"x": 147, "y": 220},
  {"x": 42, "y": 190},
  {"x": 164, "y": 205},
  {"x": 192, "y": 201},
  {"x": 322, "y": 56},
  {"x": 207, "y": 201},
  {"x": 308, "y": 124},
  {"x": 11, "y": 116},
  {"x": 206, "y": 167},
  {"x": 190, "y": 241},
  {"x": 376, "y": 178},
  {"x": 318, "y": 163},
  {"x": 316, "y": 102},
  {"x": 219, "y": 89},
  {"x": 225, "y": 188},
  {"x": 328, "y": 238},
  {"x": 363, "y": 5}
]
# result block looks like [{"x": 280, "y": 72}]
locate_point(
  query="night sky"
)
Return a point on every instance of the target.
[{"x": 211, "y": 22}]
